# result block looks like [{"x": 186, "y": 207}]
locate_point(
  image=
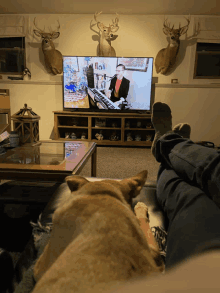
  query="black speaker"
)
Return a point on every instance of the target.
[{"x": 90, "y": 76}]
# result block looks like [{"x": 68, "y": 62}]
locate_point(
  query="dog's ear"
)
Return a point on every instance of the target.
[
  {"x": 133, "y": 185},
  {"x": 137, "y": 182},
  {"x": 75, "y": 182}
]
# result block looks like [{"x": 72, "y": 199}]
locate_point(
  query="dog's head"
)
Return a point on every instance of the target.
[{"x": 124, "y": 190}]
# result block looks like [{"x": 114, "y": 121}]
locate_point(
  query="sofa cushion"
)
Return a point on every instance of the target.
[
  {"x": 147, "y": 195},
  {"x": 48, "y": 192}
]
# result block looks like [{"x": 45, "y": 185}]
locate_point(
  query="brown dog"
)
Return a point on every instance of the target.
[{"x": 96, "y": 242}]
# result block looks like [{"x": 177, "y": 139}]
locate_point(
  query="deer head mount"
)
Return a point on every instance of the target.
[
  {"x": 166, "y": 57},
  {"x": 52, "y": 57},
  {"x": 106, "y": 35}
]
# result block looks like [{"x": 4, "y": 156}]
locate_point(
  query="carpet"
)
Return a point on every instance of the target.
[{"x": 123, "y": 162}]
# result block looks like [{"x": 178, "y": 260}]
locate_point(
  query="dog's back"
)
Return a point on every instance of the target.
[{"x": 96, "y": 243}]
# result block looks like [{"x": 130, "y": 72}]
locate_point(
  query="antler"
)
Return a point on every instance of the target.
[
  {"x": 43, "y": 31},
  {"x": 95, "y": 16},
  {"x": 40, "y": 30},
  {"x": 57, "y": 30},
  {"x": 196, "y": 31},
  {"x": 181, "y": 29},
  {"x": 186, "y": 26},
  {"x": 115, "y": 22},
  {"x": 167, "y": 25}
]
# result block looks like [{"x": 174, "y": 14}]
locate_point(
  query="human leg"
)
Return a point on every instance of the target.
[
  {"x": 183, "y": 180},
  {"x": 193, "y": 218},
  {"x": 195, "y": 164}
]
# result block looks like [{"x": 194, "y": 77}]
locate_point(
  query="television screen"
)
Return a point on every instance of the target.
[{"x": 107, "y": 83}]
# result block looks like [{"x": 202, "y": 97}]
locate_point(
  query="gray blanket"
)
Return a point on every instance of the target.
[{"x": 41, "y": 235}]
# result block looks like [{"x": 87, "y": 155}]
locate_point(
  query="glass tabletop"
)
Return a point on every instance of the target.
[{"x": 47, "y": 153}]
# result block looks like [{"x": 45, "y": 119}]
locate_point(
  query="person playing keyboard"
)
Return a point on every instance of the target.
[{"x": 119, "y": 87}]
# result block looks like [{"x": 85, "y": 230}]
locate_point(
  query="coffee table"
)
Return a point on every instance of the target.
[{"x": 47, "y": 160}]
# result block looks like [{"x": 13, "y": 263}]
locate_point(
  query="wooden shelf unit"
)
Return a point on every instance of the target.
[{"x": 79, "y": 122}]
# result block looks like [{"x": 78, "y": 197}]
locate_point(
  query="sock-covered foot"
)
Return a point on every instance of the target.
[
  {"x": 162, "y": 121},
  {"x": 183, "y": 129}
]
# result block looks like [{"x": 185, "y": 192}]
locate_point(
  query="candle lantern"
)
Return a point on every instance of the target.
[{"x": 26, "y": 124}]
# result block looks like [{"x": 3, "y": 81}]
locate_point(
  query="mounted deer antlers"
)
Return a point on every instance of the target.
[
  {"x": 52, "y": 57},
  {"x": 105, "y": 48},
  {"x": 166, "y": 57}
]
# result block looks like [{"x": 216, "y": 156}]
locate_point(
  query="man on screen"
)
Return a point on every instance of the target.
[{"x": 119, "y": 87}]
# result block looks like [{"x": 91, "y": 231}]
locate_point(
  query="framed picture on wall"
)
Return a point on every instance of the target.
[
  {"x": 71, "y": 64},
  {"x": 134, "y": 64}
]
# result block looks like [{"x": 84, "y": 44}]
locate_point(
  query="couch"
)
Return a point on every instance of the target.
[{"x": 22, "y": 276}]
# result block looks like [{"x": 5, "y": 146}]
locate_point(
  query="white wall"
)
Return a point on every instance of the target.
[
  {"x": 138, "y": 35},
  {"x": 197, "y": 106}
]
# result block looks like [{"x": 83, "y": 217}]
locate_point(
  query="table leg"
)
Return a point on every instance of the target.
[{"x": 93, "y": 163}]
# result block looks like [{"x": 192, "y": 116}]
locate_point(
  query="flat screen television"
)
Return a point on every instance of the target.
[{"x": 107, "y": 83}]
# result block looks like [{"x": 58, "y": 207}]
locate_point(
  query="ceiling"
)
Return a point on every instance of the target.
[{"x": 157, "y": 7}]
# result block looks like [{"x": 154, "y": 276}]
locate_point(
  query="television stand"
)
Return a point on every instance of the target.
[{"x": 120, "y": 129}]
